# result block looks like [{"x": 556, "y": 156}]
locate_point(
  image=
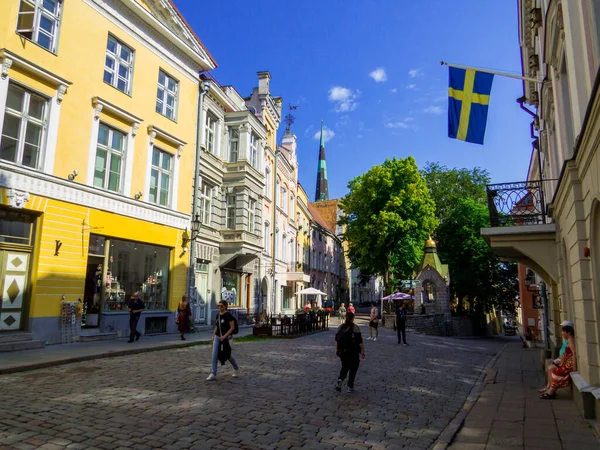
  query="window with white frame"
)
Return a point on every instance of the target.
[
  {"x": 267, "y": 239},
  {"x": 234, "y": 144},
  {"x": 268, "y": 183},
  {"x": 23, "y": 132},
  {"x": 210, "y": 133},
  {"x": 206, "y": 195},
  {"x": 284, "y": 199},
  {"x": 166, "y": 95},
  {"x": 118, "y": 65},
  {"x": 39, "y": 21},
  {"x": 230, "y": 212},
  {"x": 253, "y": 151},
  {"x": 160, "y": 177},
  {"x": 251, "y": 215},
  {"x": 110, "y": 154}
]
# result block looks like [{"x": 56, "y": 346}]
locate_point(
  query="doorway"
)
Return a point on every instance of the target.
[{"x": 13, "y": 285}]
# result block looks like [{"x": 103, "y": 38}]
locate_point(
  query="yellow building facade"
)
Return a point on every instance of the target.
[{"x": 98, "y": 111}]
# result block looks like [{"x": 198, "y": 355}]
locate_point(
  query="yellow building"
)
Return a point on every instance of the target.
[{"x": 98, "y": 111}]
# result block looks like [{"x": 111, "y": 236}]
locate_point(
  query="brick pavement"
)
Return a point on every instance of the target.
[
  {"x": 508, "y": 413},
  {"x": 284, "y": 398}
]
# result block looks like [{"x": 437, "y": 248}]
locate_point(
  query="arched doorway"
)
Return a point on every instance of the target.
[{"x": 264, "y": 295}]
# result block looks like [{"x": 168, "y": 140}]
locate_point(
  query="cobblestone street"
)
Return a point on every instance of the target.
[{"x": 284, "y": 398}]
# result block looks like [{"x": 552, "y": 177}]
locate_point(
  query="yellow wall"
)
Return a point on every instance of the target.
[{"x": 80, "y": 60}]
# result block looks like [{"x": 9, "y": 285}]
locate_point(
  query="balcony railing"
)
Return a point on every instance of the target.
[
  {"x": 517, "y": 204},
  {"x": 299, "y": 267}
]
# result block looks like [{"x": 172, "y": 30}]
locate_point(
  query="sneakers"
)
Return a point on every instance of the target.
[
  {"x": 211, "y": 377},
  {"x": 374, "y": 339},
  {"x": 338, "y": 386},
  {"x": 236, "y": 373},
  {"x": 351, "y": 390},
  {"x": 369, "y": 338},
  {"x": 405, "y": 344}
]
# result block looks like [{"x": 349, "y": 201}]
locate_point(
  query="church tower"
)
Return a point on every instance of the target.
[{"x": 322, "y": 192}]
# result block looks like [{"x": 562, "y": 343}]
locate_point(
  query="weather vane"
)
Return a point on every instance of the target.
[{"x": 290, "y": 118}]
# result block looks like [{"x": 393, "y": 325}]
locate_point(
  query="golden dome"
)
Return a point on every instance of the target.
[{"x": 430, "y": 243}]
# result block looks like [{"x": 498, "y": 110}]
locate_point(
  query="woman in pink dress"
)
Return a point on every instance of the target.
[{"x": 184, "y": 312}]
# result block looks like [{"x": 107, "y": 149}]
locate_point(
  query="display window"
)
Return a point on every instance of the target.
[
  {"x": 118, "y": 268},
  {"x": 230, "y": 291}
]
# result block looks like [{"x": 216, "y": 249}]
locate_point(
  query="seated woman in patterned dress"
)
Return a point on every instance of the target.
[{"x": 560, "y": 376}]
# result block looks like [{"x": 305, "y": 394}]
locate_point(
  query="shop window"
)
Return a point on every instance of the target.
[
  {"x": 134, "y": 267},
  {"x": 285, "y": 297},
  {"x": 160, "y": 177},
  {"x": 166, "y": 97},
  {"x": 118, "y": 65},
  {"x": 110, "y": 154},
  {"x": 39, "y": 21},
  {"x": 230, "y": 291},
  {"x": 25, "y": 119}
]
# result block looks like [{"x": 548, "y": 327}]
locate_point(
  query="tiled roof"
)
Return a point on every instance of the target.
[
  {"x": 316, "y": 216},
  {"x": 328, "y": 211}
]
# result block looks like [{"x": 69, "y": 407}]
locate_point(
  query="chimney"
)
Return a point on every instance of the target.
[
  {"x": 263, "y": 83},
  {"x": 289, "y": 141}
]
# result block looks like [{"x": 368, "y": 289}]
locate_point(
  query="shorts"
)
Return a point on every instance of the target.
[{"x": 373, "y": 324}]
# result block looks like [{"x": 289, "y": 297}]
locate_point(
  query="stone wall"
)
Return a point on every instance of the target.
[{"x": 429, "y": 324}]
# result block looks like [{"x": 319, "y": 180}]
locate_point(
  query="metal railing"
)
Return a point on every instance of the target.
[{"x": 517, "y": 204}]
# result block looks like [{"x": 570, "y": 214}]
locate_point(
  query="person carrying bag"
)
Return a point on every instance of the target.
[{"x": 225, "y": 327}]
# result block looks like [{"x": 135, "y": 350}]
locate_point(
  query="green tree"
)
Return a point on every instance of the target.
[{"x": 388, "y": 214}]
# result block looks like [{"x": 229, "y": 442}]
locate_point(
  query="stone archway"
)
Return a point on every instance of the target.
[{"x": 433, "y": 284}]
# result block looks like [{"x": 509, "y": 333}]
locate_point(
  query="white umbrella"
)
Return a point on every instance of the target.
[{"x": 311, "y": 291}]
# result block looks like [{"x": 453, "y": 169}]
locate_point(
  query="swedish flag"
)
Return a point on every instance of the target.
[{"x": 468, "y": 100}]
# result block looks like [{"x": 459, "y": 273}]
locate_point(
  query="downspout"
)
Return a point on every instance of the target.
[
  {"x": 274, "y": 240},
  {"x": 203, "y": 88}
]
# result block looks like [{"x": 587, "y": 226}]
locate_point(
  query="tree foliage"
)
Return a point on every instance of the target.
[
  {"x": 476, "y": 273},
  {"x": 388, "y": 215}
]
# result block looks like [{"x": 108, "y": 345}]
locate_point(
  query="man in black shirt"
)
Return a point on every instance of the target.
[
  {"x": 401, "y": 323},
  {"x": 136, "y": 306},
  {"x": 224, "y": 326}
]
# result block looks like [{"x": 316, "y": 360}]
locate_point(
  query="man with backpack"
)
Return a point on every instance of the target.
[
  {"x": 349, "y": 345},
  {"x": 225, "y": 327}
]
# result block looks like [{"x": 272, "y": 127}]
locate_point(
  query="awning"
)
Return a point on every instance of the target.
[
  {"x": 236, "y": 261},
  {"x": 399, "y": 296},
  {"x": 311, "y": 291}
]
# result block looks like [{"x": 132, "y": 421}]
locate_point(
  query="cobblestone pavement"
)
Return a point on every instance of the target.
[{"x": 284, "y": 398}]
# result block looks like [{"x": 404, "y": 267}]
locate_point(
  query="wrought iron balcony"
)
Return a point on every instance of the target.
[{"x": 517, "y": 204}]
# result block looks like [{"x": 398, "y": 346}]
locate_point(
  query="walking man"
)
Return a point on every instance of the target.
[
  {"x": 224, "y": 326},
  {"x": 136, "y": 306},
  {"x": 373, "y": 323},
  {"x": 400, "y": 324},
  {"x": 348, "y": 346}
]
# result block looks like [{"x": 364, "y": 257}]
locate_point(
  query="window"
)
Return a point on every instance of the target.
[
  {"x": 234, "y": 144},
  {"x": 283, "y": 248},
  {"x": 210, "y": 132},
  {"x": 253, "y": 150},
  {"x": 277, "y": 200},
  {"x": 39, "y": 21},
  {"x": 166, "y": 96},
  {"x": 118, "y": 65},
  {"x": 25, "y": 120},
  {"x": 276, "y": 242},
  {"x": 230, "y": 290},
  {"x": 268, "y": 183},
  {"x": 110, "y": 153},
  {"x": 283, "y": 199},
  {"x": 267, "y": 239},
  {"x": 206, "y": 203},
  {"x": 160, "y": 177},
  {"x": 292, "y": 207},
  {"x": 230, "y": 212},
  {"x": 251, "y": 214}
]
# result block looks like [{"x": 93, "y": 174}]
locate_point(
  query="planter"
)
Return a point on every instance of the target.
[{"x": 263, "y": 330}]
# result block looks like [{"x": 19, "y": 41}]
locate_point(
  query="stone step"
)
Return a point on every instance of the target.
[
  {"x": 20, "y": 345},
  {"x": 11, "y": 336},
  {"x": 91, "y": 337}
]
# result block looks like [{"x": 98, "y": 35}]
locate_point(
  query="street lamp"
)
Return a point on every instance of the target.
[{"x": 195, "y": 231}]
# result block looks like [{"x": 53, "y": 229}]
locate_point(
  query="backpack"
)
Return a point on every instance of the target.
[
  {"x": 345, "y": 338},
  {"x": 236, "y": 328}
]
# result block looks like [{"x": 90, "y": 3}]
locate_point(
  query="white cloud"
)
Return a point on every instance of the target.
[
  {"x": 328, "y": 134},
  {"x": 396, "y": 125},
  {"x": 394, "y": 90},
  {"x": 379, "y": 75},
  {"x": 413, "y": 73},
  {"x": 411, "y": 86},
  {"x": 403, "y": 124},
  {"x": 343, "y": 121},
  {"x": 344, "y": 98},
  {"x": 433, "y": 110}
]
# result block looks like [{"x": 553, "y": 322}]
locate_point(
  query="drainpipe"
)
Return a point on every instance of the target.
[
  {"x": 204, "y": 87},
  {"x": 274, "y": 240}
]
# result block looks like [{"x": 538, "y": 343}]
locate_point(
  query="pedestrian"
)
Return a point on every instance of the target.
[
  {"x": 351, "y": 308},
  {"x": 373, "y": 322},
  {"x": 184, "y": 313},
  {"x": 400, "y": 324},
  {"x": 342, "y": 313},
  {"x": 423, "y": 308},
  {"x": 224, "y": 326},
  {"x": 348, "y": 346},
  {"x": 136, "y": 306}
]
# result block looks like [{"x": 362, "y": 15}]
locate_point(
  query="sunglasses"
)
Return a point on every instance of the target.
[{"x": 221, "y": 306}]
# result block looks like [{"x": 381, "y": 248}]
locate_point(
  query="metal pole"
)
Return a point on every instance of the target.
[
  {"x": 495, "y": 72},
  {"x": 274, "y": 228}
]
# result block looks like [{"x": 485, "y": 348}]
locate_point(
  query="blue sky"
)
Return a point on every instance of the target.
[{"x": 323, "y": 57}]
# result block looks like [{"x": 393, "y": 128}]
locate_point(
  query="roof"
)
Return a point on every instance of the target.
[
  {"x": 328, "y": 210},
  {"x": 316, "y": 216}
]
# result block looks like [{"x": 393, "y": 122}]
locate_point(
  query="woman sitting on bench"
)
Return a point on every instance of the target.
[{"x": 559, "y": 375}]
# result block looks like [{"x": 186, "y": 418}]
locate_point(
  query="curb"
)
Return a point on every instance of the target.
[
  {"x": 448, "y": 434},
  {"x": 107, "y": 354}
]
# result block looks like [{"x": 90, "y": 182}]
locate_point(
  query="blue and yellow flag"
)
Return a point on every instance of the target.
[{"x": 468, "y": 100}]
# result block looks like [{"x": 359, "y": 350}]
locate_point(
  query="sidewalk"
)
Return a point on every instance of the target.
[
  {"x": 504, "y": 410},
  {"x": 54, "y": 355}
]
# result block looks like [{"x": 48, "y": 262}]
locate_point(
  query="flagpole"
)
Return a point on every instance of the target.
[{"x": 495, "y": 72}]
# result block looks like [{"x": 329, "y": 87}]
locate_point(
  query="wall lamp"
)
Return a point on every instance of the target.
[
  {"x": 72, "y": 176},
  {"x": 138, "y": 195},
  {"x": 186, "y": 237}
]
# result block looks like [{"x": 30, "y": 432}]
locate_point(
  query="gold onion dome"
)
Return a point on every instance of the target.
[{"x": 430, "y": 243}]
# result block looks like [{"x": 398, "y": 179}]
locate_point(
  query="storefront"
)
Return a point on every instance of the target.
[{"x": 118, "y": 268}]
